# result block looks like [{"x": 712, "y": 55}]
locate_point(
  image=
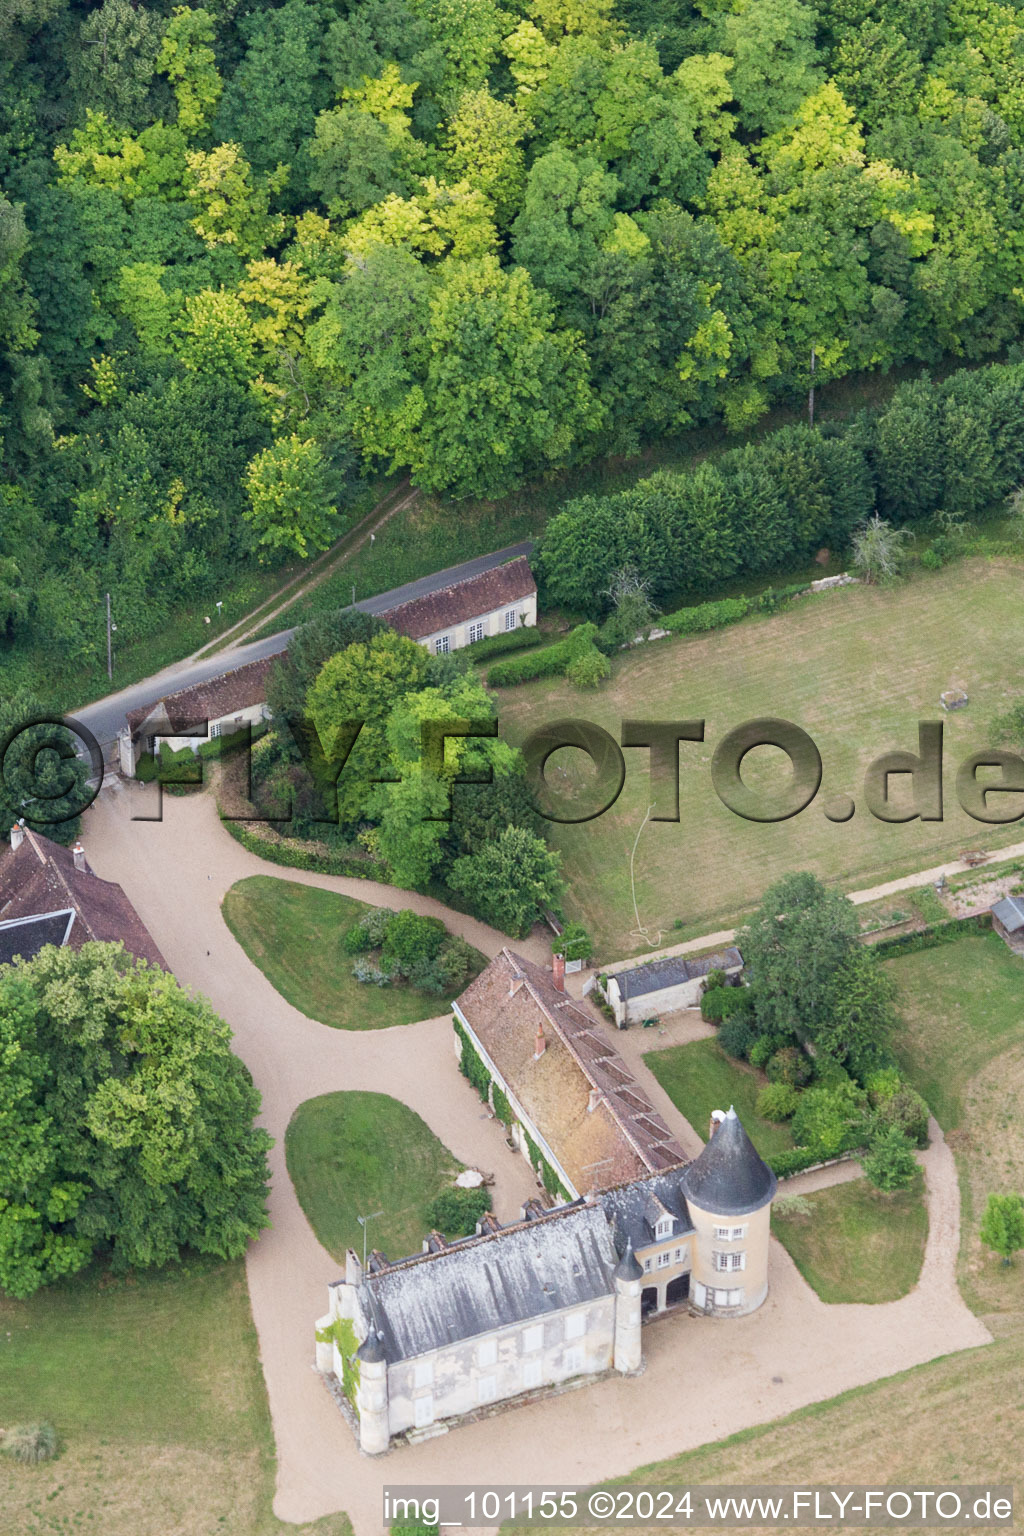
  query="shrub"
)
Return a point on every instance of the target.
[
  {"x": 370, "y": 974},
  {"x": 791, "y": 1065},
  {"x": 905, "y": 1110},
  {"x": 455, "y": 1212},
  {"x": 589, "y": 669},
  {"x": 777, "y": 1101},
  {"x": 714, "y": 979},
  {"x": 712, "y": 1005},
  {"x": 452, "y": 967},
  {"x": 574, "y": 942},
  {"x": 1002, "y": 1226},
  {"x": 705, "y": 616},
  {"x": 890, "y": 1164},
  {"x": 368, "y": 933},
  {"x": 737, "y": 1035},
  {"x": 761, "y": 1051},
  {"x": 524, "y": 638},
  {"x": 793, "y": 1205},
  {"x": 785, "y": 1164},
  {"x": 30, "y": 1443},
  {"x": 551, "y": 661},
  {"x": 411, "y": 945},
  {"x": 828, "y": 1121}
]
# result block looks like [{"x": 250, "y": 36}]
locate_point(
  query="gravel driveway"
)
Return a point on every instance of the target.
[{"x": 704, "y": 1378}]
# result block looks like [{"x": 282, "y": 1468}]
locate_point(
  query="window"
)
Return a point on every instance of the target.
[
  {"x": 575, "y": 1325},
  {"x": 487, "y": 1389},
  {"x": 532, "y": 1374},
  {"x": 665, "y": 1258},
  {"x": 677, "y": 1256},
  {"x": 424, "y": 1373},
  {"x": 664, "y": 1227},
  {"x": 727, "y": 1261},
  {"x": 533, "y": 1338},
  {"x": 487, "y": 1352},
  {"x": 215, "y": 728},
  {"x": 477, "y": 631},
  {"x": 728, "y": 1298},
  {"x": 423, "y": 1410},
  {"x": 647, "y": 1266},
  {"x": 573, "y": 1361},
  {"x": 730, "y": 1234},
  {"x": 511, "y": 618},
  {"x": 442, "y": 645}
]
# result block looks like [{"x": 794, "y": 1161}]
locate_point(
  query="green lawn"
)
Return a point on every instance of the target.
[
  {"x": 700, "y": 1077},
  {"x": 353, "y": 1153},
  {"x": 857, "y": 668},
  {"x": 295, "y": 934},
  {"x": 154, "y": 1385},
  {"x": 961, "y": 1004},
  {"x": 858, "y": 1244}
]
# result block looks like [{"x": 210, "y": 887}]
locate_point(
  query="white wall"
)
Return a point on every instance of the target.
[
  {"x": 634, "y": 1009},
  {"x": 493, "y": 622}
]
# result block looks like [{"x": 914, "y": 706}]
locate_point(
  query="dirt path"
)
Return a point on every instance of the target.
[
  {"x": 795, "y": 1350},
  {"x": 859, "y": 898},
  {"x": 318, "y": 572}
]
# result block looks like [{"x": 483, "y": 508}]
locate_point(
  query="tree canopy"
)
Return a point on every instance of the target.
[{"x": 126, "y": 1123}]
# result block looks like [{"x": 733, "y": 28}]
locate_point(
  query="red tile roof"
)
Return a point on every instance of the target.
[
  {"x": 469, "y": 599},
  {"x": 230, "y": 692},
  {"x": 623, "y": 1137},
  {"x": 40, "y": 877}
]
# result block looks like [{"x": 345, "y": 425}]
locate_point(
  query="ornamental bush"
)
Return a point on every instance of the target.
[
  {"x": 705, "y": 616},
  {"x": 551, "y": 661},
  {"x": 589, "y": 669},
  {"x": 455, "y": 1212},
  {"x": 777, "y": 1101},
  {"x": 30, "y": 1443},
  {"x": 890, "y": 1164},
  {"x": 828, "y": 1121},
  {"x": 368, "y": 932},
  {"x": 790, "y": 1065},
  {"x": 736, "y": 1035}
]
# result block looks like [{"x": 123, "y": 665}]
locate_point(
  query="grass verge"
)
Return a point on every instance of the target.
[
  {"x": 700, "y": 1077},
  {"x": 154, "y": 1385},
  {"x": 352, "y": 1153},
  {"x": 858, "y": 1244},
  {"x": 296, "y": 935}
]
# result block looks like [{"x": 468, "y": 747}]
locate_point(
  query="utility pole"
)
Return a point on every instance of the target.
[
  {"x": 110, "y": 658},
  {"x": 810, "y": 397}
]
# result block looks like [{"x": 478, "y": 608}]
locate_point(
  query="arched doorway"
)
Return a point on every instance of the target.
[
  {"x": 677, "y": 1290},
  {"x": 648, "y": 1300}
]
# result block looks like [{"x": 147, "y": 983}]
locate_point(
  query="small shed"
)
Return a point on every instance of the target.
[
  {"x": 660, "y": 986},
  {"x": 1008, "y": 921}
]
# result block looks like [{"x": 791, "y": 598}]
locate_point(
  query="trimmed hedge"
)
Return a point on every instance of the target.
[
  {"x": 549, "y": 662},
  {"x": 361, "y": 867},
  {"x": 520, "y": 639},
  {"x": 694, "y": 621},
  {"x": 939, "y": 933},
  {"x": 785, "y": 1164}
]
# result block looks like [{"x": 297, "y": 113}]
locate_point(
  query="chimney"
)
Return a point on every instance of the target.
[
  {"x": 717, "y": 1116},
  {"x": 353, "y": 1268},
  {"x": 594, "y": 1100},
  {"x": 17, "y": 834},
  {"x": 78, "y": 853},
  {"x": 540, "y": 1045},
  {"x": 558, "y": 971}
]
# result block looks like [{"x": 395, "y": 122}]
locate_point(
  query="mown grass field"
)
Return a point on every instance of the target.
[
  {"x": 856, "y": 668},
  {"x": 352, "y": 1153},
  {"x": 700, "y": 1077},
  {"x": 858, "y": 1244},
  {"x": 295, "y": 934},
  {"x": 154, "y": 1386}
]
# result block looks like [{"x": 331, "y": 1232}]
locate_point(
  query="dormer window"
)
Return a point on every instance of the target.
[{"x": 663, "y": 1227}]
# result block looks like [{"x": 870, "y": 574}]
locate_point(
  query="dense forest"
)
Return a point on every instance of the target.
[{"x": 251, "y": 254}]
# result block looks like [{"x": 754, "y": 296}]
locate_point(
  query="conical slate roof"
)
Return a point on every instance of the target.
[
  {"x": 628, "y": 1268},
  {"x": 729, "y": 1178}
]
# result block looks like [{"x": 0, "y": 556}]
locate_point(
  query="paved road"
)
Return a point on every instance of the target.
[{"x": 106, "y": 717}]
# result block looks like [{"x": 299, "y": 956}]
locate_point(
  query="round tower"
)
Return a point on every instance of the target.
[
  {"x": 372, "y": 1396},
  {"x": 729, "y": 1191},
  {"x": 628, "y": 1355}
]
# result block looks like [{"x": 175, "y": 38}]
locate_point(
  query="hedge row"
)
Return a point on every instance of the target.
[
  {"x": 939, "y": 933},
  {"x": 552, "y": 661},
  {"x": 295, "y": 856},
  {"x": 785, "y": 1164},
  {"x": 957, "y": 444},
  {"x": 521, "y": 639},
  {"x": 694, "y": 621}
]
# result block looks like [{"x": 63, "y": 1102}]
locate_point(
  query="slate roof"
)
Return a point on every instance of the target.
[
  {"x": 729, "y": 1178},
  {"x": 1010, "y": 912},
  {"x": 525, "y": 1271},
  {"x": 634, "y": 1208},
  {"x": 623, "y": 1137},
  {"x": 469, "y": 599},
  {"x": 673, "y": 971},
  {"x": 26, "y": 936},
  {"x": 39, "y": 879},
  {"x": 227, "y": 694}
]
